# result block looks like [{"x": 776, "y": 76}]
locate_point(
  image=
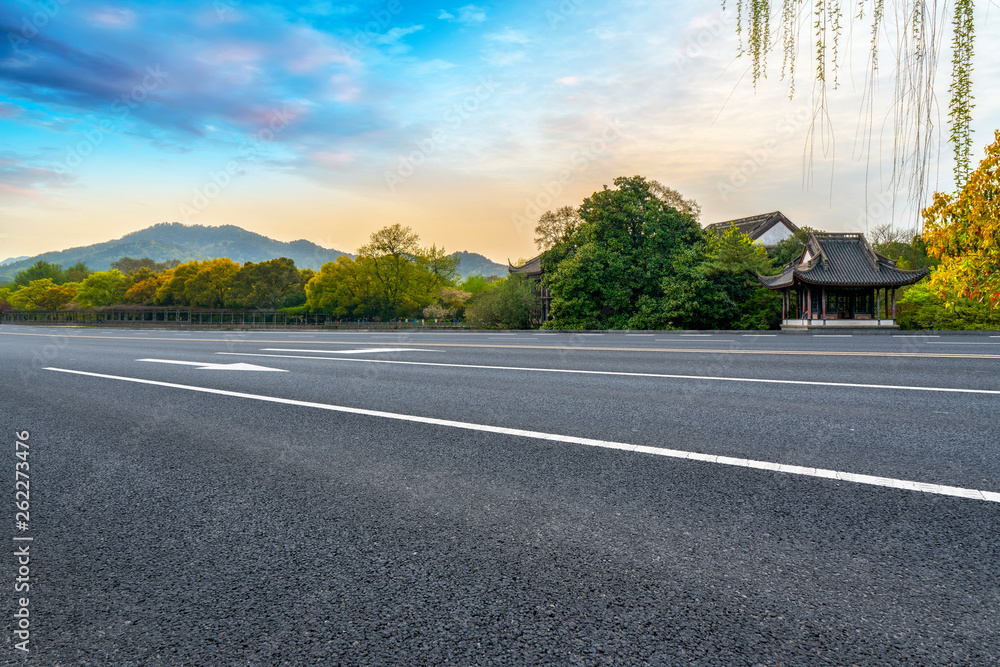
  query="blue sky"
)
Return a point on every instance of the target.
[{"x": 329, "y": 120}]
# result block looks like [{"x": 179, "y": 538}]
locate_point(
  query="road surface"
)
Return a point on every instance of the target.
[{"x": 474, "y": 498}]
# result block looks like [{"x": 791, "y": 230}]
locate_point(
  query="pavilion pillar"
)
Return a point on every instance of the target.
[
  {"x": 894, "y": 303},
  {"x": 822, "y": 303},
  {"x": 809, "y": 302}
]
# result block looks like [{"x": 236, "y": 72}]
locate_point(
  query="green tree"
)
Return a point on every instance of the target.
[
  {"x": 922, "y": 307},
  {"x": 554, "y": 226},
  {"x": 77, "y": 273},
  {"x": 510, "y": 303},
  {"x": 618, "y": 257},
  {"x": 344, "y": 288},
  {"x": 266, "y": 285},
  {"x": 104, "y": 288},
  {"x": 474, "y": 285},
  {"x": 790, "y": 249},
  {"x": 40, "y": 270},
  {"x": 733, "y": 263}
]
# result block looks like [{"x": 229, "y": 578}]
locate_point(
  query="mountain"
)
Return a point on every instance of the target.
[
  {"x": 474, "y": 264},
  {"x": 172, "y": 240}
]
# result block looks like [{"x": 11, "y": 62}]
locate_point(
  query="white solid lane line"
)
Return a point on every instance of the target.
[
  {"x": 362, "y": 351},
  {"x": 950, "y": 342},
  {"x": 808, "y": 383},
  {"x": 871, "y": 480}
]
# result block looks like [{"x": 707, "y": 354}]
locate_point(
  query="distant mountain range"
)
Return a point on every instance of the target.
[{"x": 172, "y": 240}]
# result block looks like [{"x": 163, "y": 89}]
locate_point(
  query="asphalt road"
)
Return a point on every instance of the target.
[{"x": 486, "y": 498}]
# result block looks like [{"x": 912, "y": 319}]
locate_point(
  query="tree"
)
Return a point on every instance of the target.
[
  {"x": 209, "y": 287},
  {"x": 510, "y": 303},
  {"x": 620, "y": 254},
  {"x": 733, "y": 263},
  {"x": 104, "y": 288},
  {"x": 391, "y": 253},
  {"x": 266, "y": 284},
  {"x": 40, "y": 270},
  {"x": 789, "y": 249},
  {"x": 42, "y": 294},
  {"x": 675, "y": 199},
  {"x": 554, "y": 226},
  {"x": 172, "y": 289},
  {"x": 143, "y": 291},
  {"x": 129, "y": 265},
  {"x": 963, "y": 231},
  {"x": 910, "y": 252},
  {"x": 916, "y": 53},
  {"x": 344, "y": 288},
  {"x": 474, "y": 285},
  {"x": 77, "y": 273}
]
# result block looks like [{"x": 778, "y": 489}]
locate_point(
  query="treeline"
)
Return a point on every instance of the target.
[{"x": 393, "y": 277}]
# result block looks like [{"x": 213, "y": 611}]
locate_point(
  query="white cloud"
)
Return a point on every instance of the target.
[
  {"x": 111, "y": 17},
  {"x": 445, "y": 16},
  {"x": 508, "y": 36},
  {"x": 471, "y": 14}
]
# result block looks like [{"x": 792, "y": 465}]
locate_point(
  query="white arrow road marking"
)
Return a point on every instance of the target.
[
  {"x": 206, "y": 366},
  {"x": 365, "y": 351}
]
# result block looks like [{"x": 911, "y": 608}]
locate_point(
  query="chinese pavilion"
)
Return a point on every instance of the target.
[{"x": 840, "y": 281}]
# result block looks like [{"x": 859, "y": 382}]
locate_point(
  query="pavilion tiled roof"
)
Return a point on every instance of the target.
[
  {"x": 532, "y": 268},
  {"x": 843, "y": 260},
  {"x": 755, "y": 225}
]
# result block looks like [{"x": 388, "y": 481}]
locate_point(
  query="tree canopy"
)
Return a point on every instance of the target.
[{"x": 963, "y": 232}]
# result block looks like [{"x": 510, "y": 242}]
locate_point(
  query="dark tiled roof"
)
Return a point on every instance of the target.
[
  {"x": 532, "y": 268},
  {"x": 755, "y": 225},
  {"x": 844, "y": 260}
]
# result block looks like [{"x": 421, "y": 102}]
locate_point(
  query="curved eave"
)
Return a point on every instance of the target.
[{"x": 908, "y": 278}]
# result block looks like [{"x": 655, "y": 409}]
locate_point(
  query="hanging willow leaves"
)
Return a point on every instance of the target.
[
  {"x": 960, "y": 108},
  {"x": 917, "y": 27}
]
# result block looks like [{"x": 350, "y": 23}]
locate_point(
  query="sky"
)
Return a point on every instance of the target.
[{"x": 329, "y": 120}]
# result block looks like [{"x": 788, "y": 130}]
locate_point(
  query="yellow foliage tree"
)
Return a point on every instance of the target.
[
  {"x": 963, "y": 231},
  {"x": 42, "y": 294}
]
